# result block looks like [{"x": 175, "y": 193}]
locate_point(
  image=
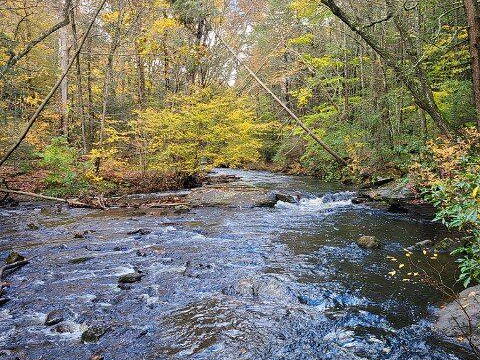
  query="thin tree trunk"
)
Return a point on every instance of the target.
[
  {"x": 63, "y": 53},
  {"x": 91, "y": 112},
  {"x": 140, "y": 77},
  {"x": 81, "y": 105},
  {"x": 473, "y": 20}
]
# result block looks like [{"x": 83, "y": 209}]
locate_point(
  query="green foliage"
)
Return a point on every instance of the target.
[{"x": 61, "y": 161}]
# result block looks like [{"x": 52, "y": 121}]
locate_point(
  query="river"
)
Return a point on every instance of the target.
[{"x": 287, "y": 282}]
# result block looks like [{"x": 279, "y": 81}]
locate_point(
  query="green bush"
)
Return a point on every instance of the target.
[{"x": 60, "y": 160}]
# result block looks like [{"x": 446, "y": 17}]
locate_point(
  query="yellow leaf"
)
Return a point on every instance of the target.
[{"x": 475, "y": 192}]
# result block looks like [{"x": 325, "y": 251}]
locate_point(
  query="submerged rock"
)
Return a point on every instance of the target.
[
  {"x": 264, "y": 288},
  {"x": 94, "y": 333},
  {"x": 63, "y": 329},
  {"x": 461, "y": 318},
  {"x": 369, "y": 242},
  {"x": 80, "y": 260},
  {"x": 142, "y": 232},
  {"x": 33, "y": 226},
  {"x": 14, "y": 257},
  {"x": 130, "y": 278},
  {"x": 54, "y": 317},
  {"x": 196, "y": 269}
]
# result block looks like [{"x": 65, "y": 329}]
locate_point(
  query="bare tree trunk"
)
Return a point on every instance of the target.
[
  {"x": 63, "y": 53},
  {"x": 81, "y": 105},
  {"x": 473, "y": 20},
  {"x": 91, "y": 112},
  {"x": 140, "y": 77}
]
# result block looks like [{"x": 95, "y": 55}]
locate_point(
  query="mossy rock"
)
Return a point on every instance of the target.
[
  {"x": 14, "y": 257},
  {"x": 369, "y": 242}
]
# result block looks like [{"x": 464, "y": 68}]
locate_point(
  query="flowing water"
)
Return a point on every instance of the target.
[{"x": 287, "y": 282}]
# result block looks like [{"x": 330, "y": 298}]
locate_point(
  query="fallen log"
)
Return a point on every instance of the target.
[{"x": 71, "y": 202}]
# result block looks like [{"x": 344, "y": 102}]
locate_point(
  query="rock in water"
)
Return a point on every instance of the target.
[
  {"x": 14, "y": 257},
  {"x": 368, "y": 242},
  {"x": 93, "y": 333},
  {"x": 460, "y": 319},
  {"x": 130, "y": 278},
  {"x": 54, "y": 317}
]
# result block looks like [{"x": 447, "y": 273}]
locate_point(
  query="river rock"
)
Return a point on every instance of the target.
[
  {"x": 94, "y": 333},
  {"x": 453, "y": 323},
  {"x": 141, "y": 232},
  {"x": 63, "y": 329},
  {"x": 368, "y": 242},
  {"x": 288, "y": 198},
  {"x": 264, "y": 288},
  {"x": 130, "y": 278},
  {"x": 80, "y": 260},
  {"x": 396, "y": 197},
  {"x": 54, "y": 317},
  {"x": 197, "y": 269},
  {"x": 3, "y": 301},
  {"x": 33, "y": 226},
  {"x": 14, "y": 257},
  {"x": 235, "y": 195}
]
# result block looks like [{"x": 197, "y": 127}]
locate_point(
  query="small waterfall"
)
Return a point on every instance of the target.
[{"x": 329, "y": 201}]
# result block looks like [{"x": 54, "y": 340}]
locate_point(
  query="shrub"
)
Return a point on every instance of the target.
[
  {"x": 449, "y": 177},
  {"x": 61, "y": 161}
]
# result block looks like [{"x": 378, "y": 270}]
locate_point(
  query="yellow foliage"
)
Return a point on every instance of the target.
[{"x": 196, "y": 132}]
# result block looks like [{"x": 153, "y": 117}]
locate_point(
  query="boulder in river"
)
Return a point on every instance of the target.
[
  {"x": 287, "y": 198},
  {"x": 455, "y": 320},
  {"x": 94, "y": 333},
  {"x": 130, "y": 278},
  {"x": 235, "y": 195},
  {"x": 54, "y": 317},
  {"x": 14, "y": 257},
  {"x": 396, "y": 197},
  {"x": 368, "y": 242}
]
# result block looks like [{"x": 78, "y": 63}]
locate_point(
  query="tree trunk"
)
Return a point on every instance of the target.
[
  {"x": 81, "y": 105},
  {"x": 63, "y": 62},
  {"x": 91, "y": 112},
  {"x": 140, "y": 77},
  {"x": 473, "y": 20}
]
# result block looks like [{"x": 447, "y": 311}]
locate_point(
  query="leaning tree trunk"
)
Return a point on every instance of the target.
[{"x": 473, "y": 19}]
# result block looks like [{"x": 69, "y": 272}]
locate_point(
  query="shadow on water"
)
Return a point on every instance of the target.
[{"x": 287, "y": 282}]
